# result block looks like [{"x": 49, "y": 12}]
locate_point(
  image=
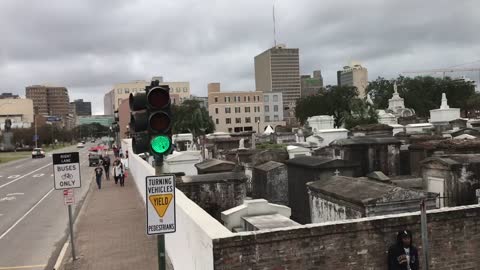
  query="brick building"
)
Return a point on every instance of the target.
[{"x": 235, "y": 111}]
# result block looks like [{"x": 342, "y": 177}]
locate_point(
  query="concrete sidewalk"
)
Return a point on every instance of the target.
[{"x": 110, "y": 231}]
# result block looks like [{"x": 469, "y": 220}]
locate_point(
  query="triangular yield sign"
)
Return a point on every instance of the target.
[{"x": 160, "y": 203}]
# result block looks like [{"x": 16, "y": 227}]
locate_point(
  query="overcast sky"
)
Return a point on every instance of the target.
[{"x": 88, "y": 45}]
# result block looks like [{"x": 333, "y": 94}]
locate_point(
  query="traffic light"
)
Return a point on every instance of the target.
[
  {"x": 159, "y": 119},
  {"x": 138, "y": 122},
  {"x": 151, "y": 120}
]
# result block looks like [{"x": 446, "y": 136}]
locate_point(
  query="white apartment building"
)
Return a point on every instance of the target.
[
  {"x": 235, "y": 111},
  {"x": 273, "y": 109}
]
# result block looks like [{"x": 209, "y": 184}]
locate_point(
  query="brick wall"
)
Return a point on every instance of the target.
[{"x": 454, "y": 240}]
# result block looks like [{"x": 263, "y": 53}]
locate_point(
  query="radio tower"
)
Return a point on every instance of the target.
[{"x": 274, "y": 29}]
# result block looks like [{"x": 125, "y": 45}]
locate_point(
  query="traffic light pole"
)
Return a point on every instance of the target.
[{"x": 160, "y": 237}]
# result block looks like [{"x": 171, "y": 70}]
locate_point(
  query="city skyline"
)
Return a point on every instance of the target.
[{"x": 387, "y": 38}]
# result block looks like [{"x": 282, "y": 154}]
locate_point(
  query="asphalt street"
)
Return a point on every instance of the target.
[{"x": 33, "y": 217}]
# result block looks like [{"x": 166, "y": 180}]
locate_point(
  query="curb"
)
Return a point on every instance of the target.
[{"x": 59, "y": 262}]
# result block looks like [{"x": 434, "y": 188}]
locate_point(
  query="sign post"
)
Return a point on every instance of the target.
[
  {"x": 160, "y": 208},
  {"x": 66, "y": 176}
]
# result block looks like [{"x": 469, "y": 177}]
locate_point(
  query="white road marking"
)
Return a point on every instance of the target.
[
  {"x": 13, "y": 181},
  {"x": 51, "y": 174},
  {"x": 28, "y": 212},
  {"x": 15, "y": 194},
  {"x": 13, "y": 176},
  {"x": 16, "y": 167},
  {"x": 10, "y": 198},
  {"x": 38, "y": 175},
  {"x": 24, "y": 267}
]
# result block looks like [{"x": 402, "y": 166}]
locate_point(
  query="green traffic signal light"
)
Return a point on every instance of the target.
[{"x": 160, "y": 144}]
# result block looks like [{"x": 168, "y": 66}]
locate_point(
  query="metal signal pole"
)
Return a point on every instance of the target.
[{"x": 160, "y": 237}]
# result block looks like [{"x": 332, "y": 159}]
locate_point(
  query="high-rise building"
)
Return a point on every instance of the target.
[
  {"x": 312, "y": 85},
  {"x": 121, "y": 91},
  {"x": 354, "y": 75},
  {"x": 82, "y": 108},
  {"x": 278, "y": 70},
  {"x": 8, "y": 95},
  {"x": 235, "y": 111},
  {"x": 49, "y": 100}
]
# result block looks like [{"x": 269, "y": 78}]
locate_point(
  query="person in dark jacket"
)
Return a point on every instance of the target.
[
  {"x": 403, "y": 255},
  {"x": 106, "y": 166},
  {"x": 98, "y": 175}
]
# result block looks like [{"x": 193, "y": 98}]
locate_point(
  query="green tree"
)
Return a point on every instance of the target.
[
  {"x": 472, "y": 108},
  {"x": 362, "y": 114},
  {"x": 190, "y": 117},
  {"x": 422, "y": 93},
  {"x": 336, "y": 101},
  {"x": 90, "y": 130},
  {"x": 381, "y": 90}
]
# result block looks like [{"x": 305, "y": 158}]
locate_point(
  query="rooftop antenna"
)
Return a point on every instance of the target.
[{"x": 274, "y": 29}]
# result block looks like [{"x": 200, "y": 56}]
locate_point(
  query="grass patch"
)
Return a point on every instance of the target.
[{"x": 11, "y": 156}]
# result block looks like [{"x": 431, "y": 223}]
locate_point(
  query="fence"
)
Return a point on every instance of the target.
[{"x": 190, "y": 247}]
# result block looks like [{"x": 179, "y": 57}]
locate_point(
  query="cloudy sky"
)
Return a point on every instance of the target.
[{"x": 88, "y": 45}]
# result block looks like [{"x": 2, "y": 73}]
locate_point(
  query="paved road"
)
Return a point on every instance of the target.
[{"x": 33, "y": 217}]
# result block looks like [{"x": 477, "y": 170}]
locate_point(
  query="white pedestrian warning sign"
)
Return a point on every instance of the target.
[
  {"x": 66, "y": 170},
  {"x": 160, "y": 204}
]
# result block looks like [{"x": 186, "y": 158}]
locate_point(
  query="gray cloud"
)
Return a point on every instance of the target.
[{"x": 89, "y": 45}]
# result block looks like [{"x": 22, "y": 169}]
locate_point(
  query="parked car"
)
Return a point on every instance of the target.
[
  {"x": 38, "y": 153},
  {"x": 94, "y": 155},
  {"x": 80, "y": 145}
]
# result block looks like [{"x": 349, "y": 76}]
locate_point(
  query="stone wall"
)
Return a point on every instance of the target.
[
  {"x": 271, "y": 185},
  {"x": 325, "y": 208},
  {"x": 454, "y": 241},
  {"x": 216, "y": 195}
]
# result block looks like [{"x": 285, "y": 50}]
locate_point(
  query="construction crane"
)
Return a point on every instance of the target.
[{"x": 443, "y": 70}]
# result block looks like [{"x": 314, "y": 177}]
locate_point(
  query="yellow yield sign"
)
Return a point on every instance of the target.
[{"x": 161, "y": 203}]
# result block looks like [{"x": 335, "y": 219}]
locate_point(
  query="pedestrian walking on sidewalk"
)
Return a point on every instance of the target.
[
  {"x": 403, "y": 254},
  {"x": 118, "y": 172},
  {"x": 98, "y": 175},
  {"x": 106, "y": 166}
]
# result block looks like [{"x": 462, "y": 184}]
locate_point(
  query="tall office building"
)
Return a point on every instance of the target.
[
  {"x": 354, "y": 75},
  {"x": 278, "y": 70},
  {"x": 312, "y": 85},
  {"x": 49, "y": 100},
  {"x": 82, "y": 108}
]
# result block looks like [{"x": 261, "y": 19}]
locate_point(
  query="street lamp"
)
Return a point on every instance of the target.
[{"x": 258, "y": 126}]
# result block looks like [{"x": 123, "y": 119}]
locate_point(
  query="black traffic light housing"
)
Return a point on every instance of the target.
[{"x": 151, "y": 120}]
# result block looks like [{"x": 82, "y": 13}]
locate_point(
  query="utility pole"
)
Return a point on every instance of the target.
[{"x": 35, "y": 113}]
